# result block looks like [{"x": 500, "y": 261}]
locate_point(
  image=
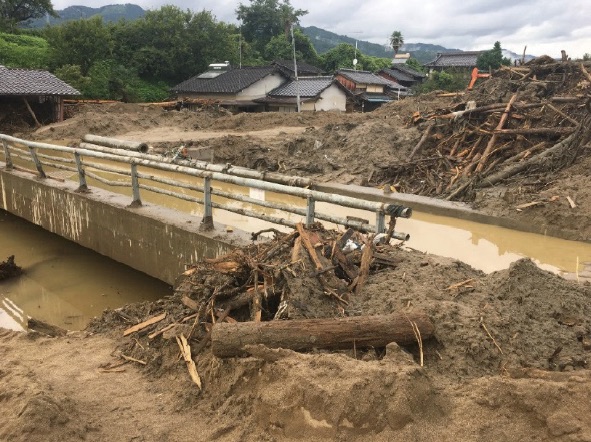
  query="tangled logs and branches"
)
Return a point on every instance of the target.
[{"x": 529, "y": 119}]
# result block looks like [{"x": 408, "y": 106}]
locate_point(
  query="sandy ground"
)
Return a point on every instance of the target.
[{"x": 508, "y": 362}]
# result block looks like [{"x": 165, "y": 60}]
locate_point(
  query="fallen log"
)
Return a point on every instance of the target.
[
  {"x": 537, "y": 131},
  {"x": 228, "y": 340}
]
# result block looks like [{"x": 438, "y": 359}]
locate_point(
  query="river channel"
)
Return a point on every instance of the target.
[{"x": 67, "y": 285}]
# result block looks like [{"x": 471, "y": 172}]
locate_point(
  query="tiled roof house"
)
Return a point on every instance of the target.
[
  {"x": 464, "y": 60},
  {"x": 316, "y": 94},
  {"x": 403, "y": 75},
  {"x": 369, "y": 89},
  {"x": 43, "y": 92},
  {"x": 236, "y": 88},
  {"x": 304, "y": 69}
]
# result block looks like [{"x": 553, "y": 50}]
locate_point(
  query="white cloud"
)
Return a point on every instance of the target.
[{"x": 544, "y": 26}]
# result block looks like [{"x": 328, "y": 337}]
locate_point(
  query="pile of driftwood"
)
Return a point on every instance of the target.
[
  {"x": 524, "y": 120},
  {"x": 294, "y": 291}
]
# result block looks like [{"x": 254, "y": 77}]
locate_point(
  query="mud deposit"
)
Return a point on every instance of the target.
[{"x": 509, "y": 360}]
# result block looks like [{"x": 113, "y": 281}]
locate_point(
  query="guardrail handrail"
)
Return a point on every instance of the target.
[{"x": 204, "y": 170}]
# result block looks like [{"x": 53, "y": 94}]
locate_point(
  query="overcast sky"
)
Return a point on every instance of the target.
[{"x": 545, "y": 26}]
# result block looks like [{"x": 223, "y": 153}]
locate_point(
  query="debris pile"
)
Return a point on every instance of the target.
[
  {"x": 526, "y": 119},
  {"x": 8, "y": 269},
  {"x": 308, "y": 273}
]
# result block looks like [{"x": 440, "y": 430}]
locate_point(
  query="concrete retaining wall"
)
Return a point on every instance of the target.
[{"x": 152, "y": 239}]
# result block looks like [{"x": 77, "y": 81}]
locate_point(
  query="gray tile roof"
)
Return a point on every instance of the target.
[
  {"x": 303, "y": 67},
  {"x": 308, "y": 86},
  {"x": 455, "y": 59},
  {"x": 409, "y": 71},
  {"x": 398, "y": 75},
  {"x": 363, "y": 77},
  {"x": 376, "y": 98},
  {"x": 29, "y": 82},
  {"x": 230, "y": 82}
]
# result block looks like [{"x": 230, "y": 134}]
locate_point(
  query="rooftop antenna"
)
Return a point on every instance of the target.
[{"x": 295, "y": 69}]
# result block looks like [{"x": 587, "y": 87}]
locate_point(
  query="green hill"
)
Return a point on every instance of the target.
[
  {"x": 110, "y": 13},
  {"x": 323, "y": 41}
]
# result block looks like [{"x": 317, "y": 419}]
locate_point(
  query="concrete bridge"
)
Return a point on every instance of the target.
[
  {"x": 153, "y": 239},
  {"x": 160, "y": 241}
]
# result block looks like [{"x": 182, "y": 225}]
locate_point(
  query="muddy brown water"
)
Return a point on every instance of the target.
[
  {"x": 63, "y": 283},
  {"x": 67, "y": 285}
]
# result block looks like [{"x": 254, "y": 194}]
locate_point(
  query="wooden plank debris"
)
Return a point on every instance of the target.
[
  {"x": 186, "y": 353},
  {"x": 526, "y": 205},
  {"x": 144, "y": 324}
]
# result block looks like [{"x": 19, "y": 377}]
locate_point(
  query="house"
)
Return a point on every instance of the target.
[
  {"x": 458, "y": 60},
  {"x": 403, "y": 75},
  {"x": 40, "y": 91},
  {"x": 316, "y": 94},
  {"x": 304, "y": 69},
  {"x": 368, "y": 89},
  {"x": 235, "y": 88}
]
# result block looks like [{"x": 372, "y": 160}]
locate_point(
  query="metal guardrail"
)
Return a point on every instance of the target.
[{"x": 209, "y": 172}]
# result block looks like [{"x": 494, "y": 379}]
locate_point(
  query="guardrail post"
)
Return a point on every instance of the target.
[
  {"x": 81, "y": 174},
  {"x": 380, "y": 221},
  {"x": 310, "y": 211},
  {"x": 135, "y": 187},
  {"x": 7, "y": 158},
  {"x": 38, "y": 164},
  {"x": 207, "y": 221}
]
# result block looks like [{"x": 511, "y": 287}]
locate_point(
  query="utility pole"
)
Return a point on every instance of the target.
[
  {"x": 295, "y": 69},
  {"x": 355, "y": 61}
]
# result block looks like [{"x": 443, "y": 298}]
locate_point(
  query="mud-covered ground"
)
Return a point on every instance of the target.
[
  {"x": 374, "y": 149},
  {"x": 509, "y": 360}
]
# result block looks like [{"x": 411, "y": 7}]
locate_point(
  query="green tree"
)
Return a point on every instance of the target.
[
  {"x": 171, "y": 45},
  {"x": 492, "y": 59},
  {"x": 341, "y": 57},
  {"x": 80, "y": 42},
  {"x": 396, "y": 40},
  {"x": 72, "y": 74},
  {"x": 280, "y": 48},
  {"x": 373, "y": 64},
  {"x": 415, "y": 64},
  {"x": 13, "y": 12},
  {"x": 444, "y": 81},
  {"x": 264, "y": 19},
  {"x": 23, "y": 51}
]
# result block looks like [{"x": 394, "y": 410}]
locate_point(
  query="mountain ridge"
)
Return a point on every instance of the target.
[{"x": 322, "y": 39}]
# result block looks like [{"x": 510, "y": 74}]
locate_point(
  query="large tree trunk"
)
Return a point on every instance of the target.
[{"x": 229, "y": 340}]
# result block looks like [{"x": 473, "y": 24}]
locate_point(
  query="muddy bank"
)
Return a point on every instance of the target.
[{"x": 508, "y": 362}]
